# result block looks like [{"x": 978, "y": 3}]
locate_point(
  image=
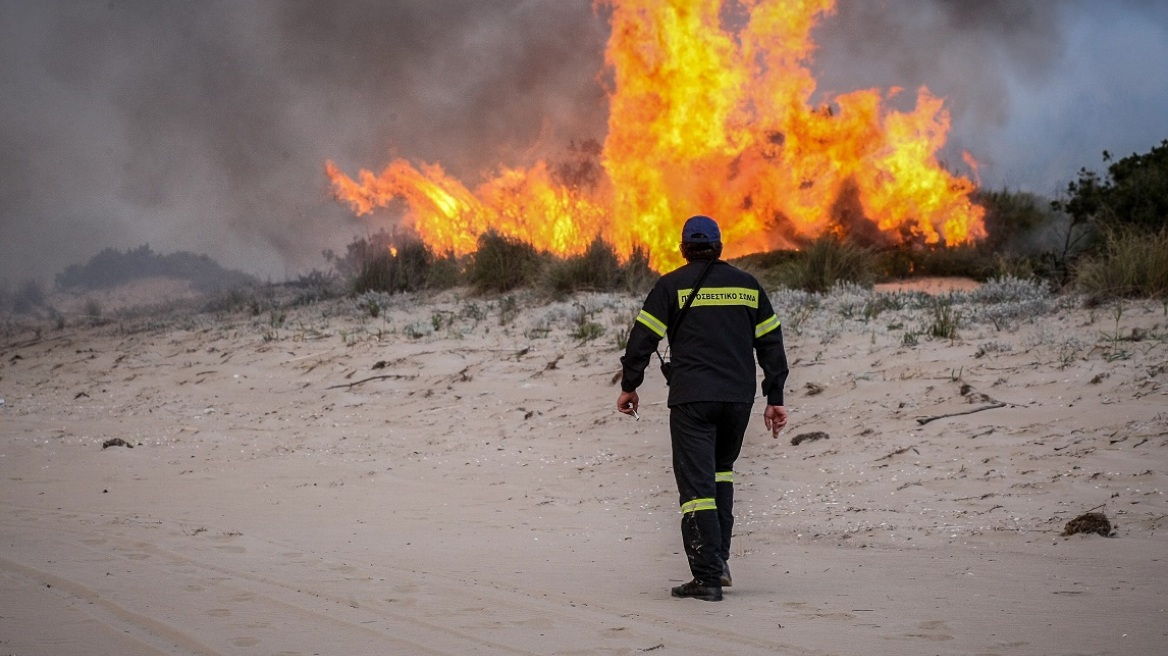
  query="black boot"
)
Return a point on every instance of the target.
[
  {"x": 697, "y": 590},
  {"x": 726, "y": 580}
]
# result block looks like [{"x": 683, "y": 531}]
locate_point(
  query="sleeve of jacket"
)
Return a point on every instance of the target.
[
  {"x": 647, "y": 331},
  {"x": 768, "y": 345}
]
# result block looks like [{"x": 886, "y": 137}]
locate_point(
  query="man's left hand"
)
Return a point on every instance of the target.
[{"x": 628, "y": 402}]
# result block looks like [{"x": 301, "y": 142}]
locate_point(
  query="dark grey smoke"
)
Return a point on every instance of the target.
[
  {"x": 1036, "y": 88},
  {"x": 204, "y": 126}
]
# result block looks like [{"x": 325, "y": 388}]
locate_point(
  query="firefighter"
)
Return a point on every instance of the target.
[{"x": 713, "y": 341}]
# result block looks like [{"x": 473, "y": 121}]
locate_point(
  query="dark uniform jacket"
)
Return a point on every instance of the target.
[{"x": 730, "y": 320}]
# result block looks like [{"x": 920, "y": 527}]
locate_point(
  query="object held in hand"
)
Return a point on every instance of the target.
[{"x": 636, "y": 416}]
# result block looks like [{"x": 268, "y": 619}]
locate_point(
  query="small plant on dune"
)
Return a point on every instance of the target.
[
  {"x": 1067, "y": 352},
  {"x": 909, "y": 339},
  {"x": 508, "y": 309},
  {"x": 440, "y": 320},
  {"x": 586, "y": 329},
  {"x": 945, "y": 320},
  {"x": 621, "y": 340},
  {"x": 473, "y": 311},
  {"x": 1115, "y": 352},
  {"x": 373, "y": 302},
  {"x": 880, "y": 303}
]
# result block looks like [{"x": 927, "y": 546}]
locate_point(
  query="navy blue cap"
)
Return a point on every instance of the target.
[{"x": 700, "y": 230}]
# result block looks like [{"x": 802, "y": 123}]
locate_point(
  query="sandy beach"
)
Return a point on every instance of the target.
[{"x": 451, "y": 477}]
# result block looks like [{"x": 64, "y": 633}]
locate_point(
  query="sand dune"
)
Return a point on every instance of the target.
[{"x": 451, "y": 477}]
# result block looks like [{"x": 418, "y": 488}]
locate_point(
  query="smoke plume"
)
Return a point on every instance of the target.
[{"x": 204, "y": 126}]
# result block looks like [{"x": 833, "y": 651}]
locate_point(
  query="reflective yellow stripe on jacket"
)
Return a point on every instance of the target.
[
  {"x": 766, "y": 326},
  {"x": 698, "y": 504},
  {"x": 652, "y": 323},
  {"x": 724, "y": 477}
]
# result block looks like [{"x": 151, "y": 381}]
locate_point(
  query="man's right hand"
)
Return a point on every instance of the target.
[{"x": 775, "y": 417}]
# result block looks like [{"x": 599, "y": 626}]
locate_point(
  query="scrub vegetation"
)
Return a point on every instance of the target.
[{"x": 1105, "y": 238}]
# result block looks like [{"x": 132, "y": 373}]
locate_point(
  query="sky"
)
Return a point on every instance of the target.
[{"x": 204, "y": 126}]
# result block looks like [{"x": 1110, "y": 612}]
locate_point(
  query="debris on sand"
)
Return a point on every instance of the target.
[
  {"x": 1092, "y": 522},
  {"x": 808, "y": 437},
  {"x": 116, "y": 441}
]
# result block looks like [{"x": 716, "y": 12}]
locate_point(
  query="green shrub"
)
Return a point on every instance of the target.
[
  {"x": 1132, "y": 263},
  {"x": 599, "y": 269},
  {"x": 502, "y": 264},
  {"x": 769, "y": 267},
  {"x": 316, "y": 286},
  {"x": 445, "y": 271},
  {"x": 1134, "y": 194},
  {"x": 970, "y": 261},
  {"x": 636, "y": 275},
  {"x": 412, "y": 267},
  {"x": 1013, "y": 220},
  {"x": 360, "y": 251},
  {"x": 826, "y": 262},
  {"x": 376, "y": 274},
  {"x": 596, "y": 269},
  {"x": 588, "y": 331}
]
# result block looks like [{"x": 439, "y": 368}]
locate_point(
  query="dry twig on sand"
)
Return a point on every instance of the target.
[
  {"x": 911, "y": 447},
  {"x": 924, "y": 420},
  {"x": 366, "y": 380}
]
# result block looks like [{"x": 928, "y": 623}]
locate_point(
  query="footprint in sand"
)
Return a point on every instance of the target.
[{"x": 942, "y": 631}]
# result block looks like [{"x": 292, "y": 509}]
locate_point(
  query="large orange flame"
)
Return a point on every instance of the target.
[{"x": 703, "y": 120}]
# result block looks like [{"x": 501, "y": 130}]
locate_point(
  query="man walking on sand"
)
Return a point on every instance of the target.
[{"x": 713, "y": 339}]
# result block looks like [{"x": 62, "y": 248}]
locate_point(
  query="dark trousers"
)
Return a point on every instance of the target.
[{"x": 707, "y": 438}]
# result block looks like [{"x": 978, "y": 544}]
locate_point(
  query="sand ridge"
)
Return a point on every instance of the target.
[{"x": 451, "y": 477}]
